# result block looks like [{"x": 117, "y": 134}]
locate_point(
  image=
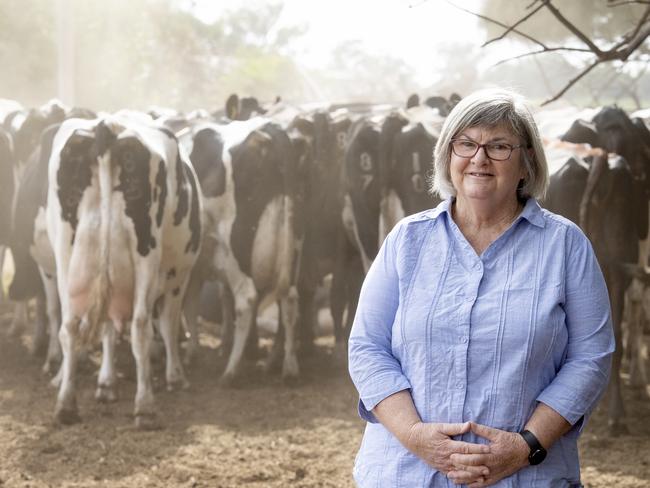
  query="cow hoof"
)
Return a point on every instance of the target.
[
  {"x": 227, "y": 380},
  {"x": 148, "y": 421},
  {"x": 67, "y": 416},
  {"x": 290, "y": 381},
  {"x": 178, "y": 385},
  {"x": 50, "y": 367},
  {"x": 272, "y": 366},
  {"x": 617, "y": 428},
  {"x": 106, "y": 394}
]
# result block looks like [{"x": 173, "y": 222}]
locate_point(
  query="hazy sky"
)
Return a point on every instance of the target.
[{"x": 408, "y": 29}]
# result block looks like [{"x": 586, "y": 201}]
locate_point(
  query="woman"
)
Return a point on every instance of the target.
[{"x": 483, "y": 337}]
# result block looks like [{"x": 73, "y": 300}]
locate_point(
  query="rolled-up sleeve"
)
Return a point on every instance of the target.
[
  {"x": 374, "y": 370},
  {"x": 583, "y": 376}
]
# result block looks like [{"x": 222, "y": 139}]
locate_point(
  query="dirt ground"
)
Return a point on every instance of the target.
[{"x": 262, "y": 434}]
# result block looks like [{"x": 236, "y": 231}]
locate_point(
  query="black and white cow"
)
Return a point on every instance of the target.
[
  {"x": 124, "y": 216},
  {"x": 326, "y": 133},
  {"x": 30, "y": 248},
  {"x": 406, "y": 145},
  {"x": 7, "y": 188},
  {"x": 357, "y": 244},
  {"x": 27, "y": 128},
  {"x": 249, "y": 174},
  {"x": 387, "y": 162},
  {"x": 30, "y": 245},
  {"x": 607, "y": 195}
]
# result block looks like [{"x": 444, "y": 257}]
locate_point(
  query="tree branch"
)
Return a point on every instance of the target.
[
  {"x": 629, "y": 43},
  {"x": 573, "y": 82},
  {"x": 541, "y": 51},
  {"x": 639, "y": 2},
  {"x": 497, "y": 23},
  {"x": 577, "y": 32},
  {"x": 641, "y": 34},
  {"x": 512, "y": 27}
]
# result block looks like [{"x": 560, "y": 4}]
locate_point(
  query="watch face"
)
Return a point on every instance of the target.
[{"x": 536, "y": 456}]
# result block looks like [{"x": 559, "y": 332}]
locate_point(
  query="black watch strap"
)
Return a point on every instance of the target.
[{"x": 537, "y": 452}]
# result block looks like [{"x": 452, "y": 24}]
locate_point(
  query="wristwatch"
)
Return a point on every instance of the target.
[{"x": 537, "y": 452}]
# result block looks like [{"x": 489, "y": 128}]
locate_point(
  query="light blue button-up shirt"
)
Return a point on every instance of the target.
[{"x": 481, "y": 338}]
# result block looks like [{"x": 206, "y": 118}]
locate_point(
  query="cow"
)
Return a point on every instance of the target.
[
  {"x": 326, "y": 132},
  {"x": 124, "y": 218},
  {"x": 387, "y": 162},
  {"x": 356, "y": 246},
  {"x": 607, "y": 195},
  {"x": 34, "y": 274},
  {"x": 26, "y": 128},
  {"x": 32, "y": 253},
  {"x": 441, "y": 104},
  {"x": 249, "y": 175},
  {"x": 406, "y": 145},
  {"x": 7, "y": 187}
]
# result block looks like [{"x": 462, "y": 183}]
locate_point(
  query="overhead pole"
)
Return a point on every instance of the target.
[{"x": 65, "y": 51}]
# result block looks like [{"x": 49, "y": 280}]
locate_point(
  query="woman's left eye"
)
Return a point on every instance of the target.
[{"x": 499, "y": 147}]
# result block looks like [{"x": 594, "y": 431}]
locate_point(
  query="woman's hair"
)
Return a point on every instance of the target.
[{"x": 491, "y": 108}]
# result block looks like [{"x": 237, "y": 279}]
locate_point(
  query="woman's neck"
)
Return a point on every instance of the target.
[{"x": 482, "y": 224}]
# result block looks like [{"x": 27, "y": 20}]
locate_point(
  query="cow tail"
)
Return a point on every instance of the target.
[
  {"x": 597, "y": 168},
  {"x": 100, "y": 290}
]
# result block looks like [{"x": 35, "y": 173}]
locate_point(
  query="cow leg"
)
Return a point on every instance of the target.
[
  {"x": 40, "y": 342},
  {"x": 338, "y": 297},
  {"x": 66, "y": 411},
  {"x": 169, "y": 329},
  {"x": 141, "y": 339},
  {"x": 245, "y": 307},
  {"x": 289, "y": 308},
  {"x": 251, "y": 350},
  {"x": 276, "y": 357},
  {"x": 52, "y": 305},
  {"x": 637, "y": 349},
  {"x": 630, "y": 337},
  {"x": 308, "y": 318},
  {"x": 227, "y": 320},
  {"x": 3, "y": 253},
  {"x": 616, "y": 409},
  {"x": 354, "y": 289},
  {"x": 106, "y": 381},
  {"x": 191, "y": 307},
  {"x": 20, "y": 319}
]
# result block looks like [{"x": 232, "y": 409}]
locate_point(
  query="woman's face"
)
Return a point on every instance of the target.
[{"x": 481, "y": 178}]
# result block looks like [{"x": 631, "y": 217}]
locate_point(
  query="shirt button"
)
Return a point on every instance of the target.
[
  {"x": 459, "y": 386},
  {"x": 463, "y": 340}
]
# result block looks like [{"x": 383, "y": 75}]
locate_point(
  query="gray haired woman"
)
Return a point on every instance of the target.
[{"x": 483, "y": 338}]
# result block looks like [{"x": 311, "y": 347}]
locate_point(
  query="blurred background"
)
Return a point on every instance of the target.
[{"x": 188, "y": 54}]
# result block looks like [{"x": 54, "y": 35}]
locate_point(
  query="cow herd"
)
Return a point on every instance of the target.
[{"x": 116, "y": 221}]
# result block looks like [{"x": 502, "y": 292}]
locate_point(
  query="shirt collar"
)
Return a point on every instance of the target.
[{"x": 532, "y": 212}]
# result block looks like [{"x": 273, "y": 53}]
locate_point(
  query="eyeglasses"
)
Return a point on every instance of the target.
[{"x": 497, "y": 151}]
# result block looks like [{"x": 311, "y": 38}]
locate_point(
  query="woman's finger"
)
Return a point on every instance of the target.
[
  {"x": 453, "y": 429},
  {"x": 475, "y": 470},
  {"x": 468, "y": 447},
  {"x": 461, "y": 477},
  {"x": 485, "y": 431},
  {"x": 469, "y": 459}
]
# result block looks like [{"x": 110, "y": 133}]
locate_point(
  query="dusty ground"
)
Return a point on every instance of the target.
[{"x": 263, "y": 434}]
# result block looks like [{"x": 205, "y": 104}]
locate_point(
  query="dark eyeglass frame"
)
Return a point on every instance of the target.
[{"x": 485, "y": 148}]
